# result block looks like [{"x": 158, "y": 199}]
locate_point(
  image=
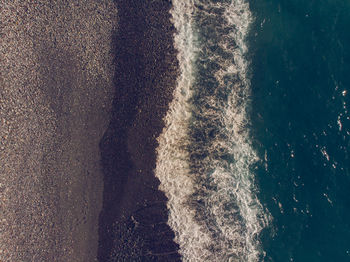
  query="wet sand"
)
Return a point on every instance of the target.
[
  {"x": 132, "y": 224},
  {"x": 56, "y": 94}
]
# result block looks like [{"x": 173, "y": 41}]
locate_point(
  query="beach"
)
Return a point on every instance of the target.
[
  {"x": 147, "y": 131},
  {"x": 132, "y": 224},
  {"x": 55, "y": 101},
  {"x": 84, "y": 90}
]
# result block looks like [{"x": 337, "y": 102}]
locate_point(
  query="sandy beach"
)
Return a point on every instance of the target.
[
  {"x": 56, "y": 93},
  {"x": 84, "y": 88}
]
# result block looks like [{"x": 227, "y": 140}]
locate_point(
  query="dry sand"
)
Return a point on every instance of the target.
[{"x": 55, "y": 95}]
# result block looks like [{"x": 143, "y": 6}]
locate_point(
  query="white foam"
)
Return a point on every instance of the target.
[{"x": 233, "y": 215}]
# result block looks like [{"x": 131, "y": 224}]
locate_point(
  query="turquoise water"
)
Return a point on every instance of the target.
[{"x": 300, "y": 66}]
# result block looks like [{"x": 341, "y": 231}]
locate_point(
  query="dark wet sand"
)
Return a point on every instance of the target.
[{"x": 132, "y": 225}]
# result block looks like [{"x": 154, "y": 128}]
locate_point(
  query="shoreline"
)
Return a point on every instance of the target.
[{"x": 134, "y": 211}]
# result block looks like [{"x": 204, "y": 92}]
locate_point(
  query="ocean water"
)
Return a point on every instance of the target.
[
  {"x": 254, "y": 153},
  {"x": 300, "y": 64}
]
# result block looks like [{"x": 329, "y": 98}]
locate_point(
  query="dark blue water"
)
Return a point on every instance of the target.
[{"x": 300, "y": 71}]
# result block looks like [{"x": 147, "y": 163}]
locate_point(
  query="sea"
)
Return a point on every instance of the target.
[{"x": 254, "y": 155}]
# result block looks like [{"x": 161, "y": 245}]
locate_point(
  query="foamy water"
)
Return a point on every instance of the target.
[{"x": 205, "y": 155}]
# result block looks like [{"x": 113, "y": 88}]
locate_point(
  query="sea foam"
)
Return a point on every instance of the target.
[{"x": 205, "y": 156}]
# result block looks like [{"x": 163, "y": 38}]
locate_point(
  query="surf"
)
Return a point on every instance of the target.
[{"x": 205, "y": 157}]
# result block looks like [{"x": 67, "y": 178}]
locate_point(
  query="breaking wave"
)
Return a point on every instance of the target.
[{"x": 205, "y": 156}]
